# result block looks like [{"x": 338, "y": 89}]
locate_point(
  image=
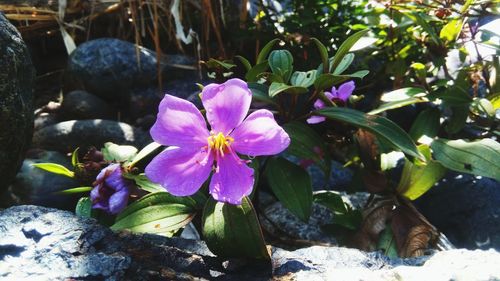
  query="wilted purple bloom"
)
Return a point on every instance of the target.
[
  {"x": 339, "y": 96},
  {"x": 183, "y": 167},
  {"x": 111, "y": 190}
]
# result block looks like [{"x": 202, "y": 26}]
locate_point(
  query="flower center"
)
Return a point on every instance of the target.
[{"x": 219, "y": 143}]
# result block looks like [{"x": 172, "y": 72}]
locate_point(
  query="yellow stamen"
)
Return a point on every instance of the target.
[{"x": 220, "y": 143}]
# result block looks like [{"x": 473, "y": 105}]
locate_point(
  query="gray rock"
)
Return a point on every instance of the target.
[
  {"x": 179, "y": 67},
  {"x": 108, "y": 67},
  {"x": 466, "y": 209},
  {"x": 330, "y": 263},
  {"x": 278, "y": 221},
  {"x": 16, "y": 101},
  {"x": 80, "y": 105},
  {"x": 144, "y": 101},
  {"x": 44, "y": 119},
  {"x": 67, "y": 136},
  {"x": 38, "y": 243},
  {"x": 35, "y": 186}
]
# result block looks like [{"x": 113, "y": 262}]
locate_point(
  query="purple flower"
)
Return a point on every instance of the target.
[
  {"x": 111, "y": 190},
  {"x": 339, "y": 96},
  {"x": 183, "y": 167}
]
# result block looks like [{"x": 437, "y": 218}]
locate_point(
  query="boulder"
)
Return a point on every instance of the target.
[
  {"x": 67, "y": 136},
  {"x": 81, "y": 105},
  {"x": 108, "y": 67},
  {"x": 38, "y": 243},
  {"x": 16, "y": 101}
]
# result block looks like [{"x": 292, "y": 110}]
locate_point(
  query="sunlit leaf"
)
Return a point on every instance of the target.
[
  {"x": 480, "y": 158},
  {"x": 55, "y": 168},
  {"x": 75, "y": 190},
  {"x": 226, "y": 64},
  {"x": 402, "y": 94},
  {"x": 346, "y": 47},
  {"x": 451, "y": 30},
  {"x": 344, "y": 64},
  {"x": 118, "y": 153},
  {"x": 397, "y": 104},
  {"x": 417, "y": 179},
  {"x": 147, "y": 150},
  {"x": 74, "y": 157},
  {"x": 292, "y": 186},
  {"x": 303, "y": 79},
  {"x": 84, "y": 207},
  {"x": 233, "y": 231},
  {"x": 257, "y": 69}
]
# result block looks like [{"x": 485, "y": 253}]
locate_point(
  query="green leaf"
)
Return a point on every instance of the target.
[
  {"x": 55, "y": 168},
  {"x": 245, "y": 62},
  {"x": 75, "y": 190},
  {"x": 326, "y": 81},
  {"x": 451, "y": 30},
  {"x": 303, "y": 79},
  {"x": 84, "y": 207},
  {"x": 397, "y": 104},
  {"x": 148, "y": 149},
  {"x": 387, "y": 243},
  {"x": 281, "y": 64},
  {"x": 226, "y": 64},
  {"x": 345, "y": 47},
  {"x": 480, "y": 158},
  {"x": 380, "y": 126},
  {"x": 305, "y": 143},
  {"x": 350, "y": 220},
  {"x": 260, "y": 92},
  {"x": 233, "y": 230},
  {"x": 344, "y": 64},
  {"x": 278, "y": 88},
  {"x": 144, "y": 183},
  {"x": 292, "y": 185},
  {"x": 419, "y": 19},
  {"x": 456, "y": 96},
  {"x": 252, "y": 74},
  {"x": 158, "y": 198},
  {"x": 162, "y": 218},
  {"x": 118, "y": 153},
  {"x": 403, "y": 94},
  {"x": 267, "y": 48},
  {"x": 331, "y": 200},
  {"x": 418, "y": 179},
  {"x": 74, "y": 157},
  {"x": 323, "y": 53},
  {"x": 426, "y": 124}
]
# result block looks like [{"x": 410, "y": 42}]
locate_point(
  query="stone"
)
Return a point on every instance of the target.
[
  {"x": 67, "y": 136},
  {"x": 38, "y": 187},
  {"x": 178, "y": 67},
  {"x": 16, "y": 101},
  {"x": 108, "y": 67},
  {"x": 278, "y": 221},
  {"x": 44, "y": 119},
  {"x": 466, "y": 209},
  {"x": 38, "y": 243},
  {"x": 81, "y": 105},
  {"x": 144, "y": 101}
]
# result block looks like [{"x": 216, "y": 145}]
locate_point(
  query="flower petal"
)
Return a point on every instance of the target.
[
  {"x": 227, "y": 104},
  {"x": 180, "y": 171},
  {"x": 315, "y": 119},
  {"x": 259, "y": 135},
  {"x": 179, "y": 123},
  {"x": 232, "y": 181},
  {"x": 118, "y": 201},
  {"x": 345, "y": 90}
]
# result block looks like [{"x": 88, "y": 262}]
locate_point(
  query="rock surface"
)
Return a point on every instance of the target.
[
  {"x": 16, "y": 101},
  {"x": 108, "y": 67},
  {"x": 67, "y": 136},
  {"x": 80, "y": 105},
  {"x": 38, "y": 243},
  {"x": 466, "y": 209},
  {"x": 35, "y": 186}
]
